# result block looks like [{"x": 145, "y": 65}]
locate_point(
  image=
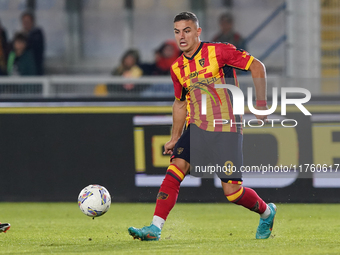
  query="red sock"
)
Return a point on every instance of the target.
[
  {"x": 168, "y": 192},
  {"x": 249, "y": 199}
]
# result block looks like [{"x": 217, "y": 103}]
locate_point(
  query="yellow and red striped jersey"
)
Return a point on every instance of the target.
[{"x": 212, "y": 63}]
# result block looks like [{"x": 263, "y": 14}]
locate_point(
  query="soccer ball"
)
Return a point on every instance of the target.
[{"x": 94, "y": 200}]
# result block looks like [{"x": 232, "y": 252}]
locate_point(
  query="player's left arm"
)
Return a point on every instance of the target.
[
  {"x": 241, "y": 59},
  {"x": 258, "y": 72}
]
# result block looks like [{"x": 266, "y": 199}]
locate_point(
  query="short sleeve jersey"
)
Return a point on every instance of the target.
[{"x": 212, "y": 63}]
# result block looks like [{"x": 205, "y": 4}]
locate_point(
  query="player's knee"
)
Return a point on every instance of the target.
[
  {"x": 229, "y": 188},
  {"x": 183, "y": 165}
]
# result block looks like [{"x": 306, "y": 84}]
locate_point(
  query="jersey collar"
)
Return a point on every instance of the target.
[{"x": 193, "y": 55}]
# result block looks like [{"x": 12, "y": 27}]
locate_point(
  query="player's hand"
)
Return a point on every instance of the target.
[
  {"x": 261, "y": 117},
  {"x": 169, "y": 147}
]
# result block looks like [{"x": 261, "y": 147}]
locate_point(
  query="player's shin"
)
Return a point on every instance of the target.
[
  {"x": 248, "y": 198},
  {"x": 167, "y": 195}
]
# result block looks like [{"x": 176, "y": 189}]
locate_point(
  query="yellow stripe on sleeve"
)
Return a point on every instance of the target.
[{"x": 249, "y": 62}]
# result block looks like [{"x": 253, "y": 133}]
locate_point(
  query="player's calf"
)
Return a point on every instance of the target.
[{"x": 248, "y": 198}]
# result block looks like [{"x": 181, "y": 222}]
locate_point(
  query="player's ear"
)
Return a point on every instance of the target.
[{"x": 199, "y": 31}]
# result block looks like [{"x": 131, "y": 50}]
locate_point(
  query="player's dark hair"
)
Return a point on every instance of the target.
[{"x": 186, "y": 16}]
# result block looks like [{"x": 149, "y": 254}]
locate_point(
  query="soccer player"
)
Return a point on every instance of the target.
[
  {"x": 4, "y": 227},
  {"x": 202, "y": 65}
]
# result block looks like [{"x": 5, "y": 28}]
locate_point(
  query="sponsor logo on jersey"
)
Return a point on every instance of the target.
[{"x": 194, "y": 74}]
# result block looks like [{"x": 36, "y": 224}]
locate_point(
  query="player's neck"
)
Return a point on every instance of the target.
[{"x": 191, "y": 52}]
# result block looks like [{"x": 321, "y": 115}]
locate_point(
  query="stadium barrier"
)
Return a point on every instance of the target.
[
  {"x": 99, "y": 86},
  {"x": 144, "y": 87}
]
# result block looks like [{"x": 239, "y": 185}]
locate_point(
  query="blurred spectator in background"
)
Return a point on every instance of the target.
[
  {"x": 227, "y": 33},
  {"x": 3, "y": 50},
  {"x": 129, "y": 65},
  {"x": 21, "y": 59},
  {"x": 128, "y": 68},
  {"x": 165, "y": 55},
  {"x": 35, "y": 39}
]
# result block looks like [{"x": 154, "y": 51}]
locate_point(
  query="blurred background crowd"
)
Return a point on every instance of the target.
[
  {"x": 128, "y": 38},
  {"x": 135, "y": 38}
]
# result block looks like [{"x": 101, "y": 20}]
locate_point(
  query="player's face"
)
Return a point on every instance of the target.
[{"x": 187, "y": 35}]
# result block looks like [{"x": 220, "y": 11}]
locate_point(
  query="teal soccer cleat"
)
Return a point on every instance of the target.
[
  {"x": 266, "y": 225},
  {"x": 150, "y": 233}
]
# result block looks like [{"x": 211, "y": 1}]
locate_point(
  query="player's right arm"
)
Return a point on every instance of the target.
[{"x": 179, "y": 113}]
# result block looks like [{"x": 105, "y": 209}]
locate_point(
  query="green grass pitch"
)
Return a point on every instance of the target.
[{"x": 44, "y": 228}]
